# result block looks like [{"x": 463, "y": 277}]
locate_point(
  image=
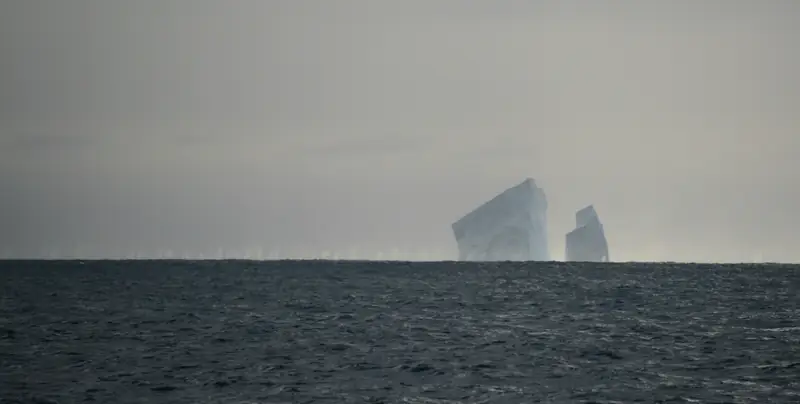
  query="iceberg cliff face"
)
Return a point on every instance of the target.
[
  {"x": 510, "y": 227},
  {"x": 588, "y": 241}
]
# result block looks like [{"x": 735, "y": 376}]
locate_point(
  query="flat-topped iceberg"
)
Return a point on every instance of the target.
[{"x": 510, "y": 227}]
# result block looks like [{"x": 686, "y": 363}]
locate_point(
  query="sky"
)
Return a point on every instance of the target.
[{"x": 362, "y": 128}]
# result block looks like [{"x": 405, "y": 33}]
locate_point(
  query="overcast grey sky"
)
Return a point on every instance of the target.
[{"x": 313, "y": 125}]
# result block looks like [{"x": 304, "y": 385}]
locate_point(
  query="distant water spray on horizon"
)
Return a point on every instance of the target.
[
  {"x": 351, "y": 253},
  {"x": 266, "y": 252}
]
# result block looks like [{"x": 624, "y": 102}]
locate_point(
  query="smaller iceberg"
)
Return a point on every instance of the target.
[{"x": 588, "y": 241}]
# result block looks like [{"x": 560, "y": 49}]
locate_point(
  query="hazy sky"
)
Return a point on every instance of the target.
[{"x": 313, "y": 125}]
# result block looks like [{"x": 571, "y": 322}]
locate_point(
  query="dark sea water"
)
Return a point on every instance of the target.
[{"x": 365, "y": 332}]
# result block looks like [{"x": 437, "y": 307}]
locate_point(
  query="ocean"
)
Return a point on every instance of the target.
[{"x": 397, "y": 332}]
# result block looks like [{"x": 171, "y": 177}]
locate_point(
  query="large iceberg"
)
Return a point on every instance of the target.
[
  {"x": 588, "y": 241},
  {"x": 510, "y": 227}
]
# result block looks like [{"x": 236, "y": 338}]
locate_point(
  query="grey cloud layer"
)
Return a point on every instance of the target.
[{"x": 320, "y": 125}]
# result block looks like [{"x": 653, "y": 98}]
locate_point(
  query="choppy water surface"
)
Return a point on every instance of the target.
[{"x": 331, "y": 332}]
